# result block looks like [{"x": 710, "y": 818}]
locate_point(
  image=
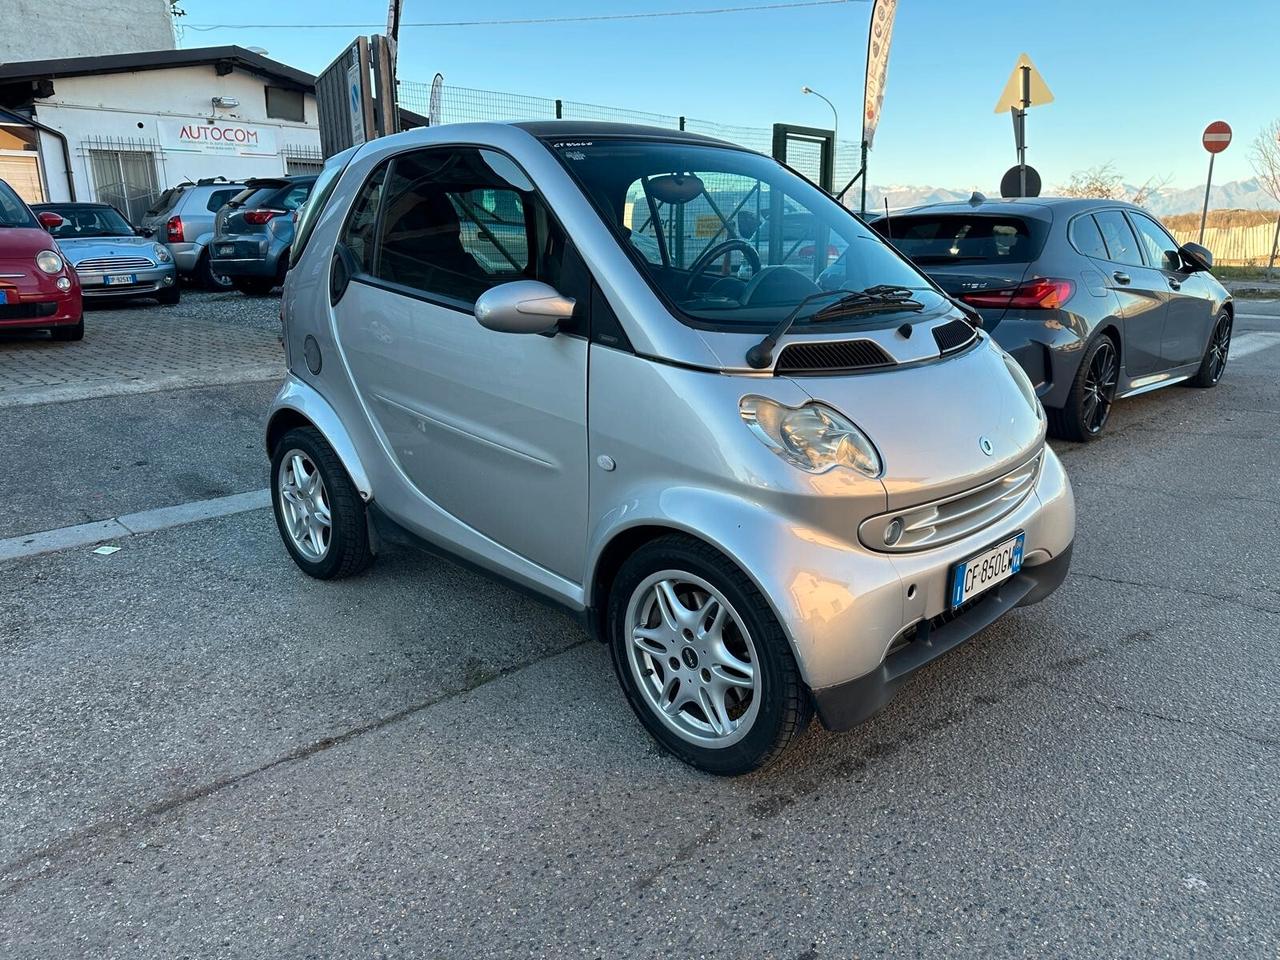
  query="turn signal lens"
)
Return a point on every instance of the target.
[
  {"x": 1042, "y": 293},
  {"x": 49, "y": 262},
  {"x": 814, "y": 437}
]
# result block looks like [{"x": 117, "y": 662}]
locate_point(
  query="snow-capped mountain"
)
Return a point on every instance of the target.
[{"x": 1233, "y": 195}]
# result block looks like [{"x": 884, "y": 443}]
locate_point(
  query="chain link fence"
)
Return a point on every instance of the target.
[{"x": 471, "y": 105}]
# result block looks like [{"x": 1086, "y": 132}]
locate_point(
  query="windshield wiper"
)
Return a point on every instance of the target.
[{"x": 882, "y": 297}]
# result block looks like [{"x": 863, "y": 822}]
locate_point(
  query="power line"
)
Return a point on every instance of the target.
[{"x": 524, "y": 21}]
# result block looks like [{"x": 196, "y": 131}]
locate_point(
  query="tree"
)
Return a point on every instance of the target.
[
  {"x": 175, "y": 8},
  {"x": 1104, "y": 183},
  {"x": 1264, "y": 156}
]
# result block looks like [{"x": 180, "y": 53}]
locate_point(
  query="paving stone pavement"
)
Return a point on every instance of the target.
[{"x": 207, "y": 339}]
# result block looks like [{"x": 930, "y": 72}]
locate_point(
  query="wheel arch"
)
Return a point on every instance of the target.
[{"x": 300, "y": 405}]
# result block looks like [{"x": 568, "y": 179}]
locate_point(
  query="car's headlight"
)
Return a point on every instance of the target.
[
  {"x": 1024, "y": 383},
  {"x": 813, "y": 437},
  {"x": 49, "y": 262},
  {"x": 162, "y": 253}
]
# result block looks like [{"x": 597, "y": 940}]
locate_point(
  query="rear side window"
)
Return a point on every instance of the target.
[
  {"x": 453, "y": 224},
  {"x": 960, "y": 238},
  {"x": 164, "y": 202},
  {"x": 220, "y": 198},
  {"x": 1122, "y": 245},
  {"x": 1087, "y": 238}
]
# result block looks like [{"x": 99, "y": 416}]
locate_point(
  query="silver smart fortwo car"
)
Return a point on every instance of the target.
[{"x": 665, "y": 382}]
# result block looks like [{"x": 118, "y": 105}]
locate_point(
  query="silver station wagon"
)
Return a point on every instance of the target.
[{"x": 676, "y": 388}]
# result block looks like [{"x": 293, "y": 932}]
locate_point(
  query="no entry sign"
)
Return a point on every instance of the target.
[{"x": 1217, "y": 136}]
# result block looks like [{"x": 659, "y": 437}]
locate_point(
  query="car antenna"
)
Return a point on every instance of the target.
[
  {"x": 977, "y": 199},
  {"x": 888, "y": 228}
]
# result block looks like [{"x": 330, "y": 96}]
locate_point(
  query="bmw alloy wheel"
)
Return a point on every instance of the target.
[
  {"x": 692, "y": 659},
  {"x": 1100, "y": 387},
  {"x": 1219, "y": 348}
]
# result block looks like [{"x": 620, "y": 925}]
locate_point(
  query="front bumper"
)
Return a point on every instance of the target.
[
  {"x": 845, "y": 705},
  {"x": 41, "y": 311},
  {"x": 147, "y": 283}
]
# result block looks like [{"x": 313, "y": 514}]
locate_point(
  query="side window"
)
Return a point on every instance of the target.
[
  {"x": 455, "y": 222},
  {"x": 1122, "y": 245},
  {"x": 1087, "y": 238},
  {"x": 220, "y": 198},
  {"x": 358, "y": 235},
  {"x": 1156, "y": 243}
]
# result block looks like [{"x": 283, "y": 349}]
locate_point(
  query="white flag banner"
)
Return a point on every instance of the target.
[
  {"x": 880, "y": 36},
  {"x": 433, "y": 105}
]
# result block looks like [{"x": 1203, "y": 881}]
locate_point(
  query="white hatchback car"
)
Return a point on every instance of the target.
[{"x": 565, "y": 353}]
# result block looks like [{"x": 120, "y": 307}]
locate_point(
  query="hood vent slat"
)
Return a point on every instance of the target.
[
  {"x": 799, "y": 359},
  {"x": 954, "y": 336}
]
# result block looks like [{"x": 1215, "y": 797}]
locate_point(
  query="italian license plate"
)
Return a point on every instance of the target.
[
  {"x": 121, "y": 279},
  {"x": 988, "y": 568},
  {"x": 226, "y": 250}
]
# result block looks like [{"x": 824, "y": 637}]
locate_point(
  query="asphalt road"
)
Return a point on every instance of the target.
[{"x": 204, "y": 754}]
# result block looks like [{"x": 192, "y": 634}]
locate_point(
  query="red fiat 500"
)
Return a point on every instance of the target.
[{"x": 38, "y": 288}]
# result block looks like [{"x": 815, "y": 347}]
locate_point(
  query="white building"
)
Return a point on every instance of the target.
[
  {"x": 40, "y": 30},
  {"x": 123, "y": 127}
]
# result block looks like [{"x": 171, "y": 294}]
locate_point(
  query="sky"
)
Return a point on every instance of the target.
[{"x": 1132, "y": 88}]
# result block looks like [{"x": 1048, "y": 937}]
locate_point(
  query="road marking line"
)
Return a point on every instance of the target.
[
  {"x": 126, "y": 525},
  {"x": 1257, "y": 316},
  {"x": 1248, "y": 343}
]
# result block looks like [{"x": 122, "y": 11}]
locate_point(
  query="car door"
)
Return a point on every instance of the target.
[
  {"x": 1143, "y": 293},
  {"x": 489, "y": 426},
  {"x": 1189, "y": 317}
]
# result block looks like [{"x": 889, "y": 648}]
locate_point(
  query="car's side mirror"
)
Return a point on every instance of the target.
[
  {"x": 1172, "y": 260},
  {"x": 49, "y": 220},
  {"x": 523, "y": 306},
  {"x": 1196, "y": 257}
]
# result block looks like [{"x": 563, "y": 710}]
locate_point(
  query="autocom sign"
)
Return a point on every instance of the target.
[{"x": 201, "y": 136}]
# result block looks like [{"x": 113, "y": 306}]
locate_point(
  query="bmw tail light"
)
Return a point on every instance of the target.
[
  {"x": 259, "y": 217},
  {"x": 1042, "y": 293},
  {"x": 173, "y": 230}
]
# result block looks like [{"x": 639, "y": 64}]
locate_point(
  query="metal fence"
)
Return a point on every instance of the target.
[
  {"x": 1236, "y": 246},
  {"x": 470, "y": 105}
]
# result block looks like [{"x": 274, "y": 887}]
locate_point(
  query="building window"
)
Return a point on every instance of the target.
[
  {"x": 301, "y": 160},
  {"x": 126, "y": 179},
  {"x": 285, "y": 104}
]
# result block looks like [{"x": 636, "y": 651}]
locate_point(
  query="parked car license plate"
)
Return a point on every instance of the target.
[
  {"x": 226, "y": 249},
  {"x": 121, "y": 279},
  {"x": 982, "y": 572}
]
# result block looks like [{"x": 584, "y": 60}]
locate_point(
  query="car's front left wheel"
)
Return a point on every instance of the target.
[
  {"x": 318, "y": 510},
  {"x": 1214, "y": 363},
  {"x": 702, "y": 658}
]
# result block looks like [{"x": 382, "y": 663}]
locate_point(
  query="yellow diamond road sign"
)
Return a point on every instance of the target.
[{"x": 1012, "y": 96}]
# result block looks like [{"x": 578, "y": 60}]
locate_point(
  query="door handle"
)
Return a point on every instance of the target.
[
  {"x": 1175, "y": 284},
  {"x": 1121, "y": 276}
]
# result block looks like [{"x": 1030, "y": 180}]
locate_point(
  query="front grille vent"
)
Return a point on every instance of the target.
[
  {"x": 944, "y": 521},
  {"x": 832, "y": 357},
  {"x": 107, "y": 264},
  {"x": 954, "y": 336}
]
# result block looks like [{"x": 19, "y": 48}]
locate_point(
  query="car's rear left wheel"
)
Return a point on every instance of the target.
[
  {"x": 318, "y": 510},
  {"x": 1092, "y": 394},
  {"x": 702, "y": 658}
]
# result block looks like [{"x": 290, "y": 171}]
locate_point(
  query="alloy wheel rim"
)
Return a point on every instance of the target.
[
  {"x": 1100, "y": 387},
  {"x": 1219, "y": 349},
  {"x": 692, "y": 659},
  {"x": 304, "y": 505}
]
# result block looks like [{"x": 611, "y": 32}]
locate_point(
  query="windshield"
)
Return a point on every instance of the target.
[
  {"x": 13, "y": 212},
  {"x": 730, "y": 238},
  {"x": 85, "y": 221}
]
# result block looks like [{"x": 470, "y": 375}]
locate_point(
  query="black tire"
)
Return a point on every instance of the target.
[
  {"x": 1080, "y": 418},
  {"x": 254, "y": 286},
  {"x": 69, "y": 332},
  {"x": 785, "y": 706},
  {"x": 348, "y": 549},
  {"x": 1214, "y": 363},
  {"x": 207, "y": 278},
  {"x": 170, "y": 296}
]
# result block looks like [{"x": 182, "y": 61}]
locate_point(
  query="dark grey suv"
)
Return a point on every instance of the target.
[
  {"x": 253, "y": 233},
  {"x": 1093, "y": 297}
]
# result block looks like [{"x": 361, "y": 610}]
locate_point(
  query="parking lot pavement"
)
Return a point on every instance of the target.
[
  {"x": 139, "y": 346},
  {"x": 205, "y": 754}
]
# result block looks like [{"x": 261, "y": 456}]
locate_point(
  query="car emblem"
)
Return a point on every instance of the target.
[{"x": 986, "y": 445}]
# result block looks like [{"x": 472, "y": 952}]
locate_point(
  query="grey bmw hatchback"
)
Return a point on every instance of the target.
[
  {"x": 1094, "y": 298},
  {"x": 608, "y": 365}
]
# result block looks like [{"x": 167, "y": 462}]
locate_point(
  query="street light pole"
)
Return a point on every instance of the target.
[{"x": 835, "y": 116}]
